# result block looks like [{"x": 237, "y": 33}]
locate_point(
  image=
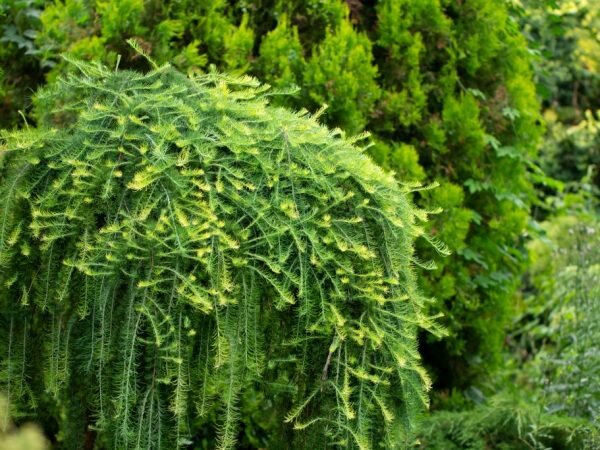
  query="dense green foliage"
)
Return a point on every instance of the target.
[
  {"x": 546, "y": 395},
  {"x": 506, "y": 422},
  {"x": 445, "y": 87},
  {"x": 565, "y": 36},
  {"x": 178, "y": 249},
  {"x": 566, "y": 273},
  {"x": 495, "y": 100},
  {"x": 20, "y": 70}
]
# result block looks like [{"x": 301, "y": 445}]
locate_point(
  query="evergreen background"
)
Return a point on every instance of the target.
[{"x": 494, "y": 99}]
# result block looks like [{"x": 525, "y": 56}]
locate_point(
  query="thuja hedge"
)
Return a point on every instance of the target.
[
  {"x": 183, "y": 264},
  {"x": 445, "y": 86}
]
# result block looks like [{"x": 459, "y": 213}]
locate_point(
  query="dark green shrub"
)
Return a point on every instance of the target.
[
  {"x": 546, "y": 396},
  {"x": 505, "y": 423},
  {"x": 565, "y": 297},
  {"x": 20, "y": 69},
  {"x": 567, "y": 69},
  {"x": 445, "y": 86},
  {"x": 179, "y": 257}
]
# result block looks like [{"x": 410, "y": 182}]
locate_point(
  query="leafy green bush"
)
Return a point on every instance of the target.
[
  {"x": 546, "y": 396},
  {"x": 565, "y": 36},
  {"x": 554, "y": 344},
  {"x": 505, "y": 423},
  {"x": 445, "y": 86},
  {"x": 179, "y": 257},
  {"x": 572, "y": 152},
  {"x": 566, "y": 286}
]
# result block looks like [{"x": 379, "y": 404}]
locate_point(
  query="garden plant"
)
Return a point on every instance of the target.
[
  {"x": 178, "y": 249},
  {"x": 300, "y": 224}
]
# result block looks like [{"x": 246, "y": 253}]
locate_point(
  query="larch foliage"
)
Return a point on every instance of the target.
[{"x": 177, "y": 243}]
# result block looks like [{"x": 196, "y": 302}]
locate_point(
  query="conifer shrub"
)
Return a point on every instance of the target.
[
  {"x": 506, "y": 422},
  {"x": 445, "y": 87},
  {"x": 183, "y": 264}
]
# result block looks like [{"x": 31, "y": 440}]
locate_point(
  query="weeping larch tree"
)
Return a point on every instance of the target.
[{"x": 177, "y": 250}]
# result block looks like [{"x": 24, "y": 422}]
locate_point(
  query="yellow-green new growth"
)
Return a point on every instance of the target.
[{"x": 180, "y": 247}]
